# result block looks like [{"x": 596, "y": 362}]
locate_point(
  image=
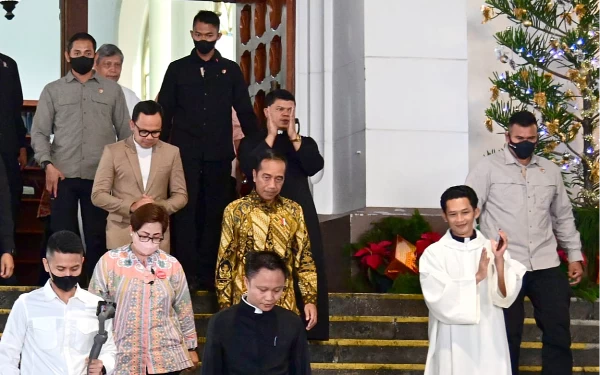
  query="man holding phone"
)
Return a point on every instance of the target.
[{"x": 524, "y": 194}]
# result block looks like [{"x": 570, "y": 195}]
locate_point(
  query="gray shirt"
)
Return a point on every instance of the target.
[
  {"x": 84, "y": 117},
  {"x": 530, "y": 203}
]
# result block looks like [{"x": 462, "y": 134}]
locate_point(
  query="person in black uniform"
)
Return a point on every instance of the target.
[
  {"x": 304, "y": 160},
  {"x": 257, "y": 337},
  {"x": 197, "y": 95},
  {"x": 13, "y": 146}
]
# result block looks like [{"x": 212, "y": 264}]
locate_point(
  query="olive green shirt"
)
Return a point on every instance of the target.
[
  {"x": 529, "y": 203},
  {"x": 84, "y": 117}
]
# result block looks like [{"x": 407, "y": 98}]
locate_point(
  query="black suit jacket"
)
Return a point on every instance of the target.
[
  {"x": 12, "y": 129},
  {"x": 197, "y": 97}
]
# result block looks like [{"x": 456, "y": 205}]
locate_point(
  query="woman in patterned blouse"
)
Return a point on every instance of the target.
[{"x": 154, "y": 325}]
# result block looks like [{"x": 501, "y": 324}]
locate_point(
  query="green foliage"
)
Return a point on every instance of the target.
[
  {"x": 406, "y": 283},
  {"x": 587, "y": 221}
]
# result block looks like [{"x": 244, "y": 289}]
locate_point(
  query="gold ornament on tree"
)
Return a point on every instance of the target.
[
  {"x": 569, "y": 95},
  {"x": 488, "y": 124},
  {"x": 527, "y": 23},
  {"x": 487, "y": 12},
  {"x": 524, "y": 75},
  {"x": 495, "y": 93},
  {"x": 547, "y": 75},
  {"x": 579, "y": 10},
  {"x": 550, "y": 146},
  {"x": 549, "y": 6},
  {"x": 519, "y": 13},
  {"x": 539, "y": 98},
  {"x": 567, "y": 18},
  {"x": 574, "y": 130},
  {"x": 552, "y": 127}
]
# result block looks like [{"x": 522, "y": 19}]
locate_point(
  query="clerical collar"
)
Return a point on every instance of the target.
[
  {"x": 256, "y": 309},
  {"x": 464, "y": 239}
]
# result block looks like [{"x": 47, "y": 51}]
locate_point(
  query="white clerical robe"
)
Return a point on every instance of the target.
[{"x": 467, "y": 335}]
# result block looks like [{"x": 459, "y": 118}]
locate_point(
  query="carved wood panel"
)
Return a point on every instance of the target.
[{"x": 265, "y": 50}]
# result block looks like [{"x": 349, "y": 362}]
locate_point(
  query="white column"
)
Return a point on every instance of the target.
[
  {"x": 160, "y": 42},
  {"x": 416, "y": 101}
]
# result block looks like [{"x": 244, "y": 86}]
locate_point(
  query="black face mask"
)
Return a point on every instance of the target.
[
  {"x": 82, "y": 65},
  {"x": 65, "y": 283},
  {"x": 523, "y": 150},
  {"x": 204, "y": 46}
]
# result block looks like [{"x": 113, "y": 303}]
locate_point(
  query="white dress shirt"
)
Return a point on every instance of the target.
[
  {"x": 53, "y": 338},
  {"x": 145, "y": 159},
  {"x": 130, "y": 98}
]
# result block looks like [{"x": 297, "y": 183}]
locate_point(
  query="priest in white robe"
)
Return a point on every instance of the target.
[{"x": 466, "y": 281}]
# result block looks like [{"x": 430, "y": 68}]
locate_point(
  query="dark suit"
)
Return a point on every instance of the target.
[
  {"x": 197, "y": 97},
  {"x": 12, "y": 129}
]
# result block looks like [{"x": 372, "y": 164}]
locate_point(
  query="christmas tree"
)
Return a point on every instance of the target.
[{"x": 552, "y": 52}]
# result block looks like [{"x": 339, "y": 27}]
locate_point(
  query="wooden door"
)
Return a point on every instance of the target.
[{"x": 266, "y": 47}]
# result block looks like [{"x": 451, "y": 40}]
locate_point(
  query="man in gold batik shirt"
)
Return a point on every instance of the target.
[{"x": 265, "y": 221}]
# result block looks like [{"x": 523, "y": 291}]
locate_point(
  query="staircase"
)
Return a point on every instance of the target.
[{"x": 384, "y": 334}]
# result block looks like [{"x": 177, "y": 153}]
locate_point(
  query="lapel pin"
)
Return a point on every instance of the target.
[
  {"x": 543, "y": 170},
  {"x": 224, "y": 71},
  {"x": 100, "y": 91},
  {"x": 4, "y": 64}
]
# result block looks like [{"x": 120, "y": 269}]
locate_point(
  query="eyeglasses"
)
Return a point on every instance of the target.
[
  {"x": 145, "y": 133},
  {"x": 148, "y": 238}
]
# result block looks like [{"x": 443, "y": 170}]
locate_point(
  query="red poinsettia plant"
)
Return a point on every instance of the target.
[
  {"x": 426, "y": 240},
  {"x": 375, "y": 255}
]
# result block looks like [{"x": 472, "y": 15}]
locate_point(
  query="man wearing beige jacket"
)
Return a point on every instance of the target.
[{"x": 138, "y": 170}]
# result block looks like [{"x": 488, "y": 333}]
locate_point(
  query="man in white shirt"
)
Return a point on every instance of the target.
[
  {"x": 466, "y": 281},
  {"x": 138, "y": 170},
  {"x": 51, "y": 330},
  {"x": 109, "y": 63}
]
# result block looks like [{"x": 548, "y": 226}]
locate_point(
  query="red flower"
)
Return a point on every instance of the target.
[
  {"x": 161, "y": 274},
  {"x": 426, "y": 240},
  {"x": 375, "y": 254}
]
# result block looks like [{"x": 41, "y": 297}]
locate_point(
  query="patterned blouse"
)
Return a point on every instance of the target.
[
  {"x": 154, "y": 323},
  {"x": 250, "y": 224}
]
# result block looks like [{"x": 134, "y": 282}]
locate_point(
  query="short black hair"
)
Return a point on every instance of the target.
[
  {"x": 460, "y": 191},
  {"x": 257, "y": 260},
  {"x": 269, "y": 154},
  {"x": 147, "y": 107},
  {"x": 64, "y": 242},
  {"x": 208, "y": 17},
  {"x": 80, "y": 36},
  {"x": 522, "y": 118},
  {"x": 280, "y": 94},
  {"x": 109, "y": 50}
]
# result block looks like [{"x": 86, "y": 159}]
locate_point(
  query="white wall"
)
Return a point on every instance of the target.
[
  {"x": 103, "y": 20},
  {"x": 482, "y": 63},
  {"x": 416, "y": 101},
  {"x": 32, "y": 39}
]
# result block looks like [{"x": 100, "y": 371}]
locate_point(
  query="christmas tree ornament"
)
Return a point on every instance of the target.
[
  {"x": 524, "y": 75},
  {"x": 579, "y": 10},
  {"x": 488, "y": 124},
  {"x": 527, "y": 23},
  {"x": 504, "y": 58},
  {"x": 553, "y": 127},
  {"x": 487, "y": 12},
  {"x": 549, "y": 6},
  {"x": 519, "y": 13},
  {"x": 566, "y": 16},
  {"x": 555, "y": 43},
  {"x": 495, "y": 93},
  {"x": 540, "y": 99},
  {"x": 569, "y": 95}
]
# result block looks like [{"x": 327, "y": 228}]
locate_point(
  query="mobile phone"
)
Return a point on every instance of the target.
[{"x": 500, "y": 241}]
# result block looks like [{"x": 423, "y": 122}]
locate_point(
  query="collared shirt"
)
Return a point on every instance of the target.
[
  {"x": 154, "y": 324},
  {"x": 53, "y": 338},
  {"x": 251, "y": 224},
  {"x": 256, "y": 309},
  {"x": 131, "y": 99},
  {"x": 530, "y": 203},
  {"x": 84, "y": 117}
]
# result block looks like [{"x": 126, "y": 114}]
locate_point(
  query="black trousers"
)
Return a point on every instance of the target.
[
  {"x": 550, "y": 295},
  {"x": 64, "y": 217},
  {"x": 197, "y": 227},
  {"x": 15, "y": 183},
  {"x": 168, "y": 373}
]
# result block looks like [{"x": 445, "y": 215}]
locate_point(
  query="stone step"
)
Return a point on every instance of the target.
[
  {"x": 399, "y": 328},
  {"x": 347, "y": 304}
]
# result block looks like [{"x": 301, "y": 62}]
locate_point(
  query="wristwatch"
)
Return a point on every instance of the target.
[{"x": 45, "y": 164}]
